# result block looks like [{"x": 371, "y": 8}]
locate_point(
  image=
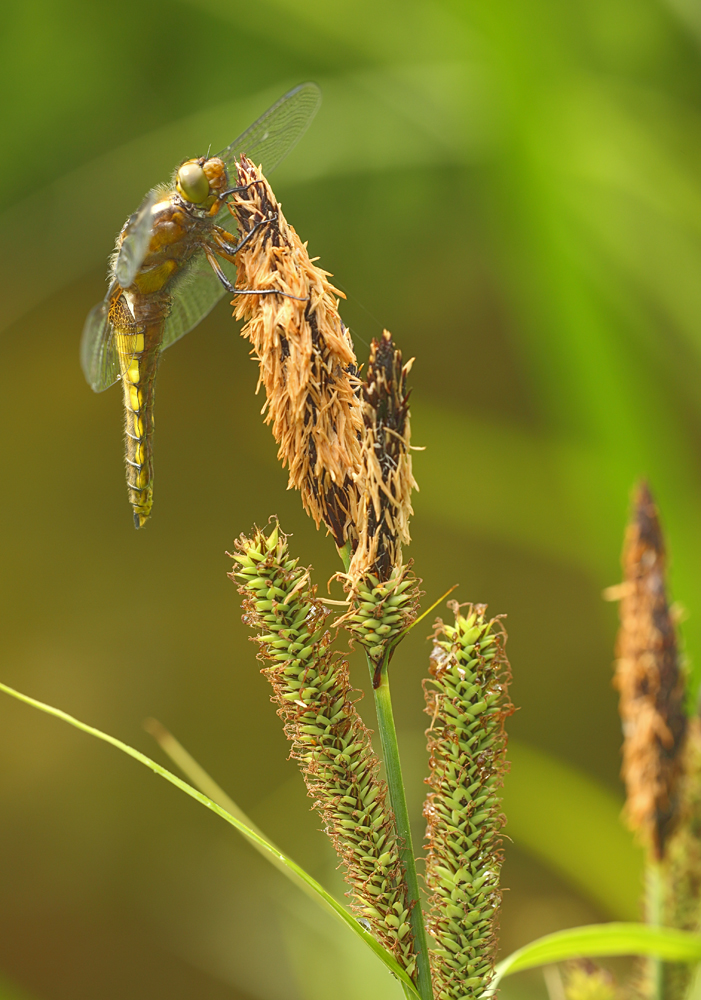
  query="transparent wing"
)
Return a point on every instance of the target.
[
  {"x": 277, "y": 131},
  {"x": 98, "y": 354},
  {"x": 266, "y": 142},
  {"x": 135, "y": 243},
  {"x": 194, "y": 296}
]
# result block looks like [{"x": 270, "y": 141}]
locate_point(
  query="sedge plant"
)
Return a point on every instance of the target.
[{"x": 344, "y": 436}]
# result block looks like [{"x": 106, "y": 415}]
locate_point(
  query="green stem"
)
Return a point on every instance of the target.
[
  {"x": 390, "y": 753},
  {"x": 653, "y": 917},
  {"x": 395, "y": 784}
]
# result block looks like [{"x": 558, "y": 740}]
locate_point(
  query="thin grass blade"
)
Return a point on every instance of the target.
[{"x": 256, "y": 838}]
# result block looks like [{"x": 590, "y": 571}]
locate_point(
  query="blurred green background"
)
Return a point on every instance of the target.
[{"x": 514, "y": 189}]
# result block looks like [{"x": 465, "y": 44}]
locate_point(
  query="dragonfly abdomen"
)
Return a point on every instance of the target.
[{"x": 138, "y": 348}]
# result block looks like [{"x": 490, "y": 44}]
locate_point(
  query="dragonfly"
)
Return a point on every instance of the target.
[{"x": 174, "y": 260}]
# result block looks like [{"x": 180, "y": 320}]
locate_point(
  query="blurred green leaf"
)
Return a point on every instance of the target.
[
  {"x": 572, "y": 823},
  {"x": 8, "y": 991},
  {"x": 506, "y": 483},
  {"x": 602, "y": 939}
]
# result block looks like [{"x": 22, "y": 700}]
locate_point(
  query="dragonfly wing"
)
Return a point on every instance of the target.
[
  {"x": 98, "y": 354},
  {"x": 136, "y": 240},
  {"x": 277, "y": 131},
  {"x": 194, "y": 296},
  {"x": 266, "y": 142}
]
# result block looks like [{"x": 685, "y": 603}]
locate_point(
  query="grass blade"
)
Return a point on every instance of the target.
[
  {"x": 198, "y": 777},
  {"x": 247, "y": 832},
  {"x": 666, "y": 943}
]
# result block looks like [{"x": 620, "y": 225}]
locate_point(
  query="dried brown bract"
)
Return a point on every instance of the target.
[
  {"x": 650, "y": 681},
  {"x": 307, "y": 364},
  {"x": 386, "y": 480},
  {"x": 383, "y": 592}
]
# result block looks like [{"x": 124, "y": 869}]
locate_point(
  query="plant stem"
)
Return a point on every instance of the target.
[
  {"x": 395, "y": 783},
  {"x": 397, "y": 796},
  {"x": 653, "y": 917}
]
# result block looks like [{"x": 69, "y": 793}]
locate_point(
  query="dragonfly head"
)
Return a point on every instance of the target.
[
  {"x": 192, "y": 182},
  {"x": 216, "y": 174},
  {"x": 200, "y": 181}
]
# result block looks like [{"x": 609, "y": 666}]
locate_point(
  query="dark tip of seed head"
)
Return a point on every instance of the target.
[{"x": 647, "y": 518}]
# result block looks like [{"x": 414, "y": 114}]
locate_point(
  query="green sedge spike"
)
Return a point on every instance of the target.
[
  {"x": 681, "y": 866},
  {"x": 584, "y": 980},
  {"x": 381, "y": 610},
  {"x": 467, "y": 700},
  {"x": 332, "y": 746}
]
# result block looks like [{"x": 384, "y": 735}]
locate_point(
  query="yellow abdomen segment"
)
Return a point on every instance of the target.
[{"x": 138, "y": 358}]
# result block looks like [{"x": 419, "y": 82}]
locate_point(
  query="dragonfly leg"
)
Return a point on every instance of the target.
[
  {"x": 218, "y": 271},
  {"x": 270, "y": 291},
  {"x": 238, "y": 190},
  {"x": 245, "y": 291},
  {"x": 232, "y": 250}
]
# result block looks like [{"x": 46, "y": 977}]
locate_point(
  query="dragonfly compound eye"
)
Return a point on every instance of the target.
[{"x": 192, "y": 183}]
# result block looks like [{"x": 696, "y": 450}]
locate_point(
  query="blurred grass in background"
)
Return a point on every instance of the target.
[{"x": 514, "y": 189}]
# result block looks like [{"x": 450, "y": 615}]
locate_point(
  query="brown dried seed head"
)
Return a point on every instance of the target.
[
  {"x": 307, "y": 364},
  {"x": 386, "y": 480},
  {"x": 650, "y": 681}
]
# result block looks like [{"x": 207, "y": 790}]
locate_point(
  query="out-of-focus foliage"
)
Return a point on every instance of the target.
[
  {"x": 514, "y": 189},
  {"x": 9, "y": 992}
]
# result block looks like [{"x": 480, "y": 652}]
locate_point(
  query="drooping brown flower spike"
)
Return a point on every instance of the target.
[
  {"x": 386, "y": 479},
  {"x": 650, "y": 681},
  {"x": 307, "y": 365},
  {"x": 383, "y": 591}
]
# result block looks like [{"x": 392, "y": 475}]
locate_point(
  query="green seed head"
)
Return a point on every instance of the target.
[
  {"x": 316, "y": 702},
  {"x": 467, "y": 701},
  {"x": 381, "y": 612}
]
